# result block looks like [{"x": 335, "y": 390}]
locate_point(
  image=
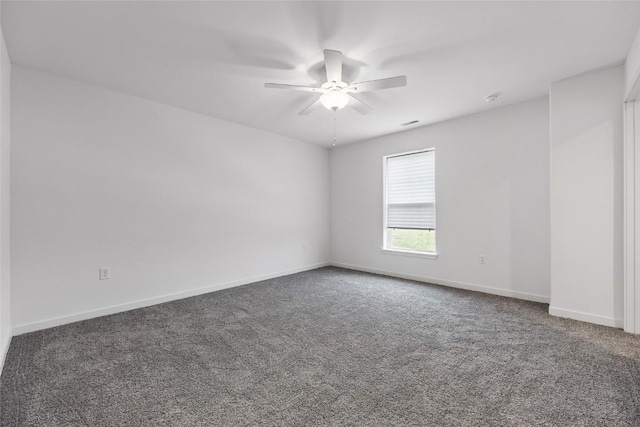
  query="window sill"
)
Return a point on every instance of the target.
[{"x": 428, "y": 255}]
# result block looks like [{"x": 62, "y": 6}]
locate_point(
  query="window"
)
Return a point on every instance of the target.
[{"x": 410, "y": 203}]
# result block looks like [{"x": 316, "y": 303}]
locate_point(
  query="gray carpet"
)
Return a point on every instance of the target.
[{"x": 328, "y": 347}]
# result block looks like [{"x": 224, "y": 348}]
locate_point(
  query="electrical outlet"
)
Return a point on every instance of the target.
[
  {"x": 105, "y": 273},
  {"x": 482, "y": 259}
]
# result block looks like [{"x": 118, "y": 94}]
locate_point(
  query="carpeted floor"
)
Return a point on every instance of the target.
[{"x": 329, "y": 347}]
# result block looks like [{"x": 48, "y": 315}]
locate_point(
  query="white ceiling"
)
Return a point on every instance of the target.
[{"x": 214, "y": 57}]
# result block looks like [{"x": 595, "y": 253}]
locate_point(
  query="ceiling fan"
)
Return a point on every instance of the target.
[{"x": 336, "y": 94}]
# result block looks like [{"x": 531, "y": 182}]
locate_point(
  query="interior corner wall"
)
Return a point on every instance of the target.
[
  {"x": 492, "y": 191},
  {"x": 587, "y": 197},
  {"x": 632, "y": 69},
  {"x": 174, "y": 203},
  {"x": 5, "y": 134}
]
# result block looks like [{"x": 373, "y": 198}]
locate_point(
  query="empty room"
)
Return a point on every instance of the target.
[{"x": 319, "y": 213}]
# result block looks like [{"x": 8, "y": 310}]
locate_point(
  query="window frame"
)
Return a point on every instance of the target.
[{"x": 404, "y": 252}]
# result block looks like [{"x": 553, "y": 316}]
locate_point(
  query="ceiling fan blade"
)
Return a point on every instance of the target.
[
  {"x": 310, "y": 108},
  {"x": 295, "y": 87},
  {"x": 359, "y": 105},
  {"x": 333, "y": 65},
  {"x": 387, "y": 83}
]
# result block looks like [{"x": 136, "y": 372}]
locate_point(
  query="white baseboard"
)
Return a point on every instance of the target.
[
  {"x": 459, "y": 285},
  {"x": 63, "y": 320},
  {"x": 586, "y": 317},
  {"x": 4, "y": 349}
]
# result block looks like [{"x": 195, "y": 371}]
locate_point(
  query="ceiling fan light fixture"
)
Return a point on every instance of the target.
[{"x": 334, "y": 100}]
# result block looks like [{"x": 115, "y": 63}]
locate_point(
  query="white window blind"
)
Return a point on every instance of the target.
[{"x": 411, "y": 191}]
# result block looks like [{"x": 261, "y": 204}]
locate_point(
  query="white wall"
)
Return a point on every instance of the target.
[
  {"x": 586, "y": 197},
  {"x": 170, "y": 200},
  {"x": 5, "y": 276},
  {"x": 632, "y": 69},
  {"x": 492, "y": 186}
]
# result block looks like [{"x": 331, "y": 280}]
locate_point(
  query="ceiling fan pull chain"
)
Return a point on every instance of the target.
[{"x": 335, "y": 138}]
